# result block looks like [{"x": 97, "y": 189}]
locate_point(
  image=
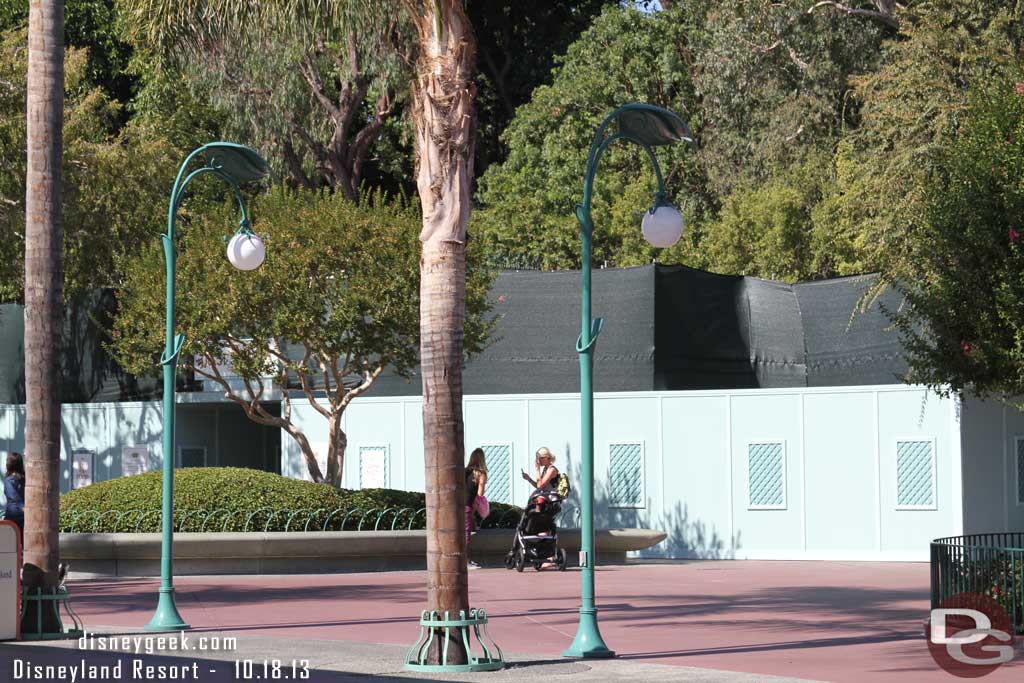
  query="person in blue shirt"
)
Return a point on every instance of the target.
[{"x": 14, "y": 490}]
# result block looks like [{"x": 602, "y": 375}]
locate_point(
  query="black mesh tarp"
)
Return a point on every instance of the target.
[
  {"x": 847, "y": 345},
  {"x": 534, "y": 349},
  {"x": 667, "y": 327},
  {"x": 730, "y": 332}
]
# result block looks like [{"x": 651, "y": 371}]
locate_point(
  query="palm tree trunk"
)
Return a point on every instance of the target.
[
  {"x": 43, "y": 284},
  {"x": 443, "y": 97}
]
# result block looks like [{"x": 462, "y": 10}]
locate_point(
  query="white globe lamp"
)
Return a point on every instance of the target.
[
  {"x": 662, "y": 226},
  {"x": 246, "y": 251}
]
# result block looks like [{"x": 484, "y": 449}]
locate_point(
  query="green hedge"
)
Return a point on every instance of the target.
[{"x": 239, "y": 499}]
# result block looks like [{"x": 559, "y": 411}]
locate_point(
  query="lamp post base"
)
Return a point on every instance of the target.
[
  {"x": 166, "y": 617},
  {"x": 588, "y": 643}
]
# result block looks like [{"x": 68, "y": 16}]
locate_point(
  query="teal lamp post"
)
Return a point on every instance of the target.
[
  {"x": 646, "y": 126},
  {"x": 234, "y": 164}
]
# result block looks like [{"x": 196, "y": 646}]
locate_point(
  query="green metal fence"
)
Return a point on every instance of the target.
[
  {"x": 264, "y": 519},
  {"x": 991, "y": 565}
]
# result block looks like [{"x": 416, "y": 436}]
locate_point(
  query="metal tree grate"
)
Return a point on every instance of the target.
[
  {"x": 915, "y": 485},
  {"x": 625, "y": 474},
  {"x": 435, "y": 630},
  {"x": 40, "y": 601},
  {"x": 765, "y": 479}
]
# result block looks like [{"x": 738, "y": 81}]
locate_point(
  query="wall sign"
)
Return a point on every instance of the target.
[
  {"x": 134, "y": 460},
  {"x": 373, "y": 467},
  {"x": 82, "y": 460}
]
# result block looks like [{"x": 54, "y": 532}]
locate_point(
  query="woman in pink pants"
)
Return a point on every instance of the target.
[{"x": 476, "y": 482}]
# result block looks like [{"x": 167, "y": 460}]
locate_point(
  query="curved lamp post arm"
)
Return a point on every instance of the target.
[
  {"x": 176, "y": 340},
  {"x": 590, "y": 329},
  {"x": 176, "y": 202},
  {"x": 595, "y": 158}
]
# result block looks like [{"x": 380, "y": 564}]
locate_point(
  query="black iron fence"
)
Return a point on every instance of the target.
[
  {"x": 268, "y": 519},
  {"x": 991, "y": 565}
]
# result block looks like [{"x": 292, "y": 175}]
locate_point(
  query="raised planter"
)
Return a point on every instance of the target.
[{"x": 308, "y": 552}]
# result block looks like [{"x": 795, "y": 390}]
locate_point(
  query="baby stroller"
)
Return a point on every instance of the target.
[{"x": 536, "y": 537}]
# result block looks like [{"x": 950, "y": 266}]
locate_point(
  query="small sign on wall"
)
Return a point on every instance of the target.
[
  {"x": 82, "y": 460},
  {"x": 134, "y": 460},
  {"x": 373, "y": 467}
]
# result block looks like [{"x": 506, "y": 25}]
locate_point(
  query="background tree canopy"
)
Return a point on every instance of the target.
[
  {"x": 331, "y": 307},
  {"x": 822, "y": 129}
]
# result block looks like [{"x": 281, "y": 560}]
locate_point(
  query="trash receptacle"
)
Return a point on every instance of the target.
[{"x": 10, "y": 581}]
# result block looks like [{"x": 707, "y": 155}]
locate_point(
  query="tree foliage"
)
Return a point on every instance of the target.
[
  {"x": 911, "y": 108},
  {"x": 518, "y": 42},
  {"x": 114, "y": 183},
  {"x": 312, "y": 86},
  {"x": 527, "y": 218},
  {"x": 774, "y": 80},
  {"x": 779, "y": 229},
  {"x": 764, "y": 87},
  {"x": 324, "y": 315},
  {"x": 89, "y": 25},
  {"x": 964, "y": 314}
]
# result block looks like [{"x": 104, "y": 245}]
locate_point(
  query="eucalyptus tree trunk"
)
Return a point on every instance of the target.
[
  {"x": 443, "y": 110},
  {"x": 43, "y": 309}
]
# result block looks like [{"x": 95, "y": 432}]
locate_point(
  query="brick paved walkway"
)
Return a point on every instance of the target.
[{"x": 834, "y": 621}]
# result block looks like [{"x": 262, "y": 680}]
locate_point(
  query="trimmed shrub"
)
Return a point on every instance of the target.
[{"x": 240, "y": 499}]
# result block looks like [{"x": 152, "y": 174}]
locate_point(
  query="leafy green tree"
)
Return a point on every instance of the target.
[
  {"x": 625, "y": 56},
  {"x": 910, "y": 108},
  {"x": 114, "y": 184},
  {"x": 517, "y": 44},
  {"x": 780, "y": 229},
  {"x": 765, "y": 89},
  {"x": 326, "y": 313},
  {"x": 314, "y": 91},
  {"x": 774, "y": 81},
  {"x": 89, "y": 25},
  {"x": 964, "y": 316},
  {"x": 442, "y": 106}
]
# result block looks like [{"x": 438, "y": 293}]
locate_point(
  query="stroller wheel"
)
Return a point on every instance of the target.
[
  {"x": 538, "y": 565},
  {"x": 520, "y": 560},
  {"x": 562, "y": 561},
  {"x": 510, "y": 560}
]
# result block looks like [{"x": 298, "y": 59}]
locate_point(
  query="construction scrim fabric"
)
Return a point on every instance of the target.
[
  {"x": 732, "y": 332},
  {"x": 666, "y": 328},
  {"x": 534, "y": 346}
]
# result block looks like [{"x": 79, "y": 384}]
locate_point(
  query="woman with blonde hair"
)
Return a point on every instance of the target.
[
  {"x": 476, "y": 483},
  {"x": 547, "y": 473}
]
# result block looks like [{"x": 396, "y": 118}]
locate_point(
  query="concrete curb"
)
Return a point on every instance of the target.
[{"x": 308, "y": 552}]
